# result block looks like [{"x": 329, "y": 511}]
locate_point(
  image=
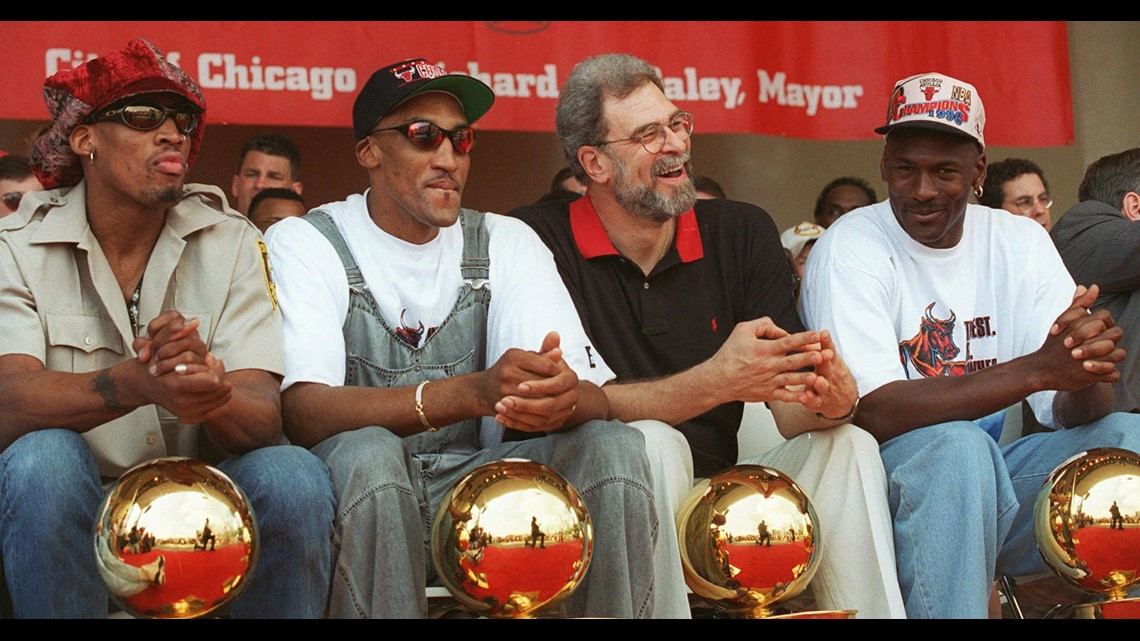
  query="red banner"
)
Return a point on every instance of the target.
[{"x": 809, "y": 80}]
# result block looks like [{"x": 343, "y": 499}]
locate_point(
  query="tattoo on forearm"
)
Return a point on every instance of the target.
[{"x": 105, "y": 387}]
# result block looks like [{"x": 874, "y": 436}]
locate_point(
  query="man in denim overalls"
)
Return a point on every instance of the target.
[{"x": 392, "y": 289}]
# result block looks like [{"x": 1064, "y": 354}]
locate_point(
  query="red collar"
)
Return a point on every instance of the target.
[{"x": 592, "y": 241}]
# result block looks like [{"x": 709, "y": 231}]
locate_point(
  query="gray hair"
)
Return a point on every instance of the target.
[
  {"x": 1110, "y": 177},
  {"x": 579, "y": 120}
]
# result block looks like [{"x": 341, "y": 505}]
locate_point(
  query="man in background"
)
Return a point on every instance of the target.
[
  {"x": 1018, "y": 186},
  {"x": 841, "y": 196},
  {"x": 1099, "y": 240},
  {"x": 267, "y": 160},
  {"x": 564, "y": 186},
  {"x": 708, "y": 188},
  {"x": 273, "y": 204},
  {"x": 797, "y": 242},
  {"x": 16, "y": 179}
]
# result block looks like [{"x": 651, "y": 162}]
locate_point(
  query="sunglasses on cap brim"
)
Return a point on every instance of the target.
[
  {"x": 148, "y": 117},
  {"x": 428, "y": 135},
  {"x": 12, "y": 199}
]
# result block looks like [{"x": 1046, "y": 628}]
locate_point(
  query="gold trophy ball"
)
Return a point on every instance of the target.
[
  {"x": 749, "y": 541},
  {"x": 175, "y": 538},
  {"x": 1087, "y": 525},
  {"x": 511, "y": 540}
]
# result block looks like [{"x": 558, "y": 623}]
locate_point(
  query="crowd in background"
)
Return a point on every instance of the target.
[{"x": 352, "y": 360}]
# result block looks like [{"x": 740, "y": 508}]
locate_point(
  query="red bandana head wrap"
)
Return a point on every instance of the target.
[{"x": 73, "y": 95}]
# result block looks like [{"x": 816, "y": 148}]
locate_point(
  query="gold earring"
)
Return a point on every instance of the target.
[
  {"x": 91, "y": 155},
  {"x": 978, "y": 191}
]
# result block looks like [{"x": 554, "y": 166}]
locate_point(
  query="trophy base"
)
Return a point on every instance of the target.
[
  {"x": 1111, "y": 609},
  {"x": 802, "y": 606},
  {"x": 784, "y": 613},
  {"x": 817, "y": 614}
]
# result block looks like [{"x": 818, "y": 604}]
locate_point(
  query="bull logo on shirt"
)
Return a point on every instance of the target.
[
  {"x": 408, "y": 334},
  {"x": 932, "y": 350}
]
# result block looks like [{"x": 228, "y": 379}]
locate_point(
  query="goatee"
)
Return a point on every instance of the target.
[{"x": 647, "y": 201}]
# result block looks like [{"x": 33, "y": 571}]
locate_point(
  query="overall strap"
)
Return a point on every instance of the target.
[
  {"x": 476, "y": 265},
  {"x": 321, "y": 219}
]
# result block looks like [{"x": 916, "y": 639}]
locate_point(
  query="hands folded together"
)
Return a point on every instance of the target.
[{"x": 187, "y": 379}]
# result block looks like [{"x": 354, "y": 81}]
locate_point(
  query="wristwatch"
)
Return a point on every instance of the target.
[{"x": 846, "y": 417}]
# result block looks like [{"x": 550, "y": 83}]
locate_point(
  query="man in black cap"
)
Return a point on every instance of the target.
[
  {"x": 412, "y": 325},
  {"x": 140, "y": 322},
  {"x": 947, "y": 314}
]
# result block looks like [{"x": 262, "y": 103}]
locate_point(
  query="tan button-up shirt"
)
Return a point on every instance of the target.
[{"x": 60, "y": 303}]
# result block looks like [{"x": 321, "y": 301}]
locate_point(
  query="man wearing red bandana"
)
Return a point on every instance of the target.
[{"x": 140, "y": 322}]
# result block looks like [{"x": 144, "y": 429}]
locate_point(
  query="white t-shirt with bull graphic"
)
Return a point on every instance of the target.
[{"x": 900, "y": 310}]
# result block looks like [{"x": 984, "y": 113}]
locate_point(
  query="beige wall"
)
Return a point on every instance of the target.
[{"x": 782, "y": 175}]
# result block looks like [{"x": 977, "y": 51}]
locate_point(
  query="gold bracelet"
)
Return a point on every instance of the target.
[
  {"x": 846, "y": 418},
  {"x": 420, "y": 407}
]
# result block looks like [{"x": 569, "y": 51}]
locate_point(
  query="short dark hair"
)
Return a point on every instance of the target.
[
  {"x": 13, "y": 167},
  {"x": 853, "y": 181},
  {"x": 709, "y": 186},
  {"x": 561, "y": 177},
  {"x": 1110, "y": 177},
  {"x": 273, "y": 192},
  {"x": 1003, "y": 171},
  {"x": 273, "y": 145}
]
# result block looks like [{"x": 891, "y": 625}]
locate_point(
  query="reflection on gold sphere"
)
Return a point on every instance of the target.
[
  {"x": 512, "y": 540},
  {"x": 1087, "y": 521},
  {"x": 175, "y": 539},
  {"x": 749, "y": 540}
]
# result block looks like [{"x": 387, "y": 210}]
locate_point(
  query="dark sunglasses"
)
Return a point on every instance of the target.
[
  {"x": 12, "y": 199},
  {"x": 428, "y": 135},
  {"x": 147, "y": 117}
]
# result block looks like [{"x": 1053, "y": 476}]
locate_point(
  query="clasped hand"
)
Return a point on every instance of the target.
[
  {"x": 1082, "y": 348},
  {"x": 532, "y": 391},
  {"x": 762, "y": 362},
  {"x": 187, "y": 379}
]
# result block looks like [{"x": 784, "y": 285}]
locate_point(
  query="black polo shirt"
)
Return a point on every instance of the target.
[{"x": 726, "y": 266}]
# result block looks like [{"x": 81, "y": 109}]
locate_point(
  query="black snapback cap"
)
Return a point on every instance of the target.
[{"x": 392, "y": 85}]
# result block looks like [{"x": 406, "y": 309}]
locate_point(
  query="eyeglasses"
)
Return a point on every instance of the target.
[
  {"x": 1025, "y": 204},
  {"x": 428, "y": 135},
  {"x": 12, "y": 199},
  {"x": 148, "y": 117},
  {"x": 653, "y": 140}
]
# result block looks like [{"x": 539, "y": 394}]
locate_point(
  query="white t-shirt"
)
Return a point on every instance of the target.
[
  {"x": 872, "y": 285},
  {"x": 416, "y": 284}
]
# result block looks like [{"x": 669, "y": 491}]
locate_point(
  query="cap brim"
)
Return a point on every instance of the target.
[
  {"x": 921, "y": 124},
  {"x": 152, "y": 86},
  {"x": 475, "y": 96}
]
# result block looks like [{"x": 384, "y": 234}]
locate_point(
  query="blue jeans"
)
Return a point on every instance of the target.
[
  {"x": 50, "y": 491},
  {"x": 963, "y": 507},
  {"x": 388, "y": 498}
]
